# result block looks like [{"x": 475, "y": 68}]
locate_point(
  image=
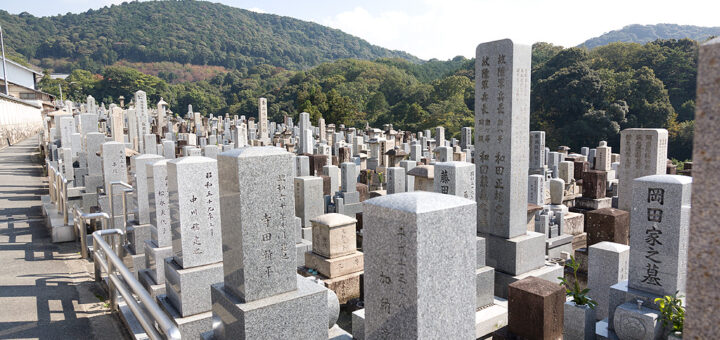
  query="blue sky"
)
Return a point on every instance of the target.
[{"x": 444, "y": 29}]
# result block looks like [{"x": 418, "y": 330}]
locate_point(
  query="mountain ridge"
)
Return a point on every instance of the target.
[
  {"x": 195, "y": 32},
  {"x": 641, "y": 34}
]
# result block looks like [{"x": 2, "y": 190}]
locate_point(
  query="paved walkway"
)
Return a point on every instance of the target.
[{"x": 46, "y": 290}]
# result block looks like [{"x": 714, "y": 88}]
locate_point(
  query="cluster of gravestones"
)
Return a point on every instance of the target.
[{"x": 251, "y": 230}]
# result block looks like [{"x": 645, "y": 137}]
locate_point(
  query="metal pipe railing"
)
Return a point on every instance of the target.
[
  {"x": 81, "y": 229},
  {"x": 127, "y": 285}
]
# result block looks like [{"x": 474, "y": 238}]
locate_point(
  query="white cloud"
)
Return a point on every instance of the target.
[
  {"x": 446, "y": 28},
  {"x": 256, "y": 10}
]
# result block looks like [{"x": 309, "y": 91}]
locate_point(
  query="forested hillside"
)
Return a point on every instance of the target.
[
  {"x": 647, "y": 33},
  {"x": 186, "y": 32},
  {"x": 579, "y": 97}
]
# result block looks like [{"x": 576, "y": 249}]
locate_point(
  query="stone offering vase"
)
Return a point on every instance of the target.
[{"x": 578, "y": 321}]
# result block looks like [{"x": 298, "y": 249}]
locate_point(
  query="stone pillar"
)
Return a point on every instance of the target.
[
  {"x": 196, "y": 262},
  {"x": 395, "y": 180},
  {"x": 502, "y": 124},
  {"x": 263, "y": 121},
  {"x": 159, "y": 246},
  {"x": 455, "y": 178},
  {"x": 308, "y": 198},
  {"x": 260, "y": 282},
  {"x": 607, "y": 265},
  {"x": 535, "y": 310},
  {"x": 465, "y": 138},
  {"x": 403, "y": 299},
  {"x": 643, "y": 153},
  {"x": 702, "y": 320}
]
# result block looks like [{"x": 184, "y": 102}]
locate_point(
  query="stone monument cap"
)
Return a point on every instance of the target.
[
  {"x": 536, "y": 286},
  {"x": 418, "y": 202},
  {"x": 256, "y": 151},
  {"x": 426, "y": 171},
  {"x": 333, "y": 220}
]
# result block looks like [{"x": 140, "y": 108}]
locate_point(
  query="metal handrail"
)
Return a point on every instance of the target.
[
  {"x": 81, "y": 230},
  {"x": 127, "y": 285}
]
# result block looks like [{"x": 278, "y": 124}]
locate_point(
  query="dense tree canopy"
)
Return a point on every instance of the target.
[
  {"x": 578, "y": 97},
  {"x": 186, "y": 32}
]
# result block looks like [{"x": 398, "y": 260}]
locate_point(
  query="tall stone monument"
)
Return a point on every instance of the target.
[
  {"x": 702, "y": 320},
  {"x": 643, "y": 152},
  {"x": 502, "y": 124},
  {"x": 261, "y": 291},
  {"x": 403, "y": 299}
]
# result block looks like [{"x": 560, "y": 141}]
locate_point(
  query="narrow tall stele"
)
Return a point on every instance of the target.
[{"x": 502, "y": 136}]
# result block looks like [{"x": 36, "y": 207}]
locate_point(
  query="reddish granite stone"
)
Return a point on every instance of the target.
[
  {"x": 594, "y": 184},
  {"x": 607, "y": 224},
  {"x": 535, "y": 309}
]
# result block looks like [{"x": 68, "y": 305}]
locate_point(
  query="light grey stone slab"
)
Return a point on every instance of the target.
[
  {"x": 643, "y": 153},
  {"x": 702, "y": 319},
  {"x": 402, "y": 296},
  {"x": 159, "y": 202},
  {"x": 607, "y": 265},
  {"x": 333, "y": 172},
  {"x": 348, "y": 177},
  {"x": 308, "y": 198},
  {"x": 502, "y": 124},
  {"x": 168, "y": 149},
  {"x": 578, "y": 322},
  {"x": 188, "y": 290},
  {"x": 659, "y": 227},
  {"x": 409, "y": 180},
  {"x": 195, "y": 211},
  {"x": 537, "y": 149},
  {"x": 141, "y": 186},
  {"x": 114, "y": 165},
  {"x": 298, "y": 314},
  {"x": 259, "y": 232},
  {"x": 536, "y": 189},
  {"x": 155, "y": 261},
  {"x": 395, "y": 180},
  {"x": 455, "y": 178},
  {"x": 517, "y": 255},
  {"x": 302, "y": 164}
]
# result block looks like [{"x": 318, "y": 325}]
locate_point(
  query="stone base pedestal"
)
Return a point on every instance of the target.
[
  {"x": 137, "y": 235},
  {"x": 487, "y": 319},
  {"x": 574, "y": 223},
  {"x": 59, "y": 231},
  {"x": 620, "y": 294},
  {"x": 554, "y": 247},
  {"x": 134, "y": 262},
  {"x": 603, "y": 332},
  {"x": 149, "y": 283},
  {"x": 484, "y": 286},
  {"x": 490, "y": 318},
  {"x": 304, "y": 314},
  {"x": 301, "y": 248},
  {"x": 155, "y": 260},
  {"x": 335, "y": 267},
  {"x": 579, "y": 241},
  {"x": 188, "y": 290},
  {"x": 593, "y": 203},
  {"x": 346, "y": 287},
  {"x": 192, "y": 326},
  {"x": 549, "y": 271},
  {"x": 516, "y": 255}
]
